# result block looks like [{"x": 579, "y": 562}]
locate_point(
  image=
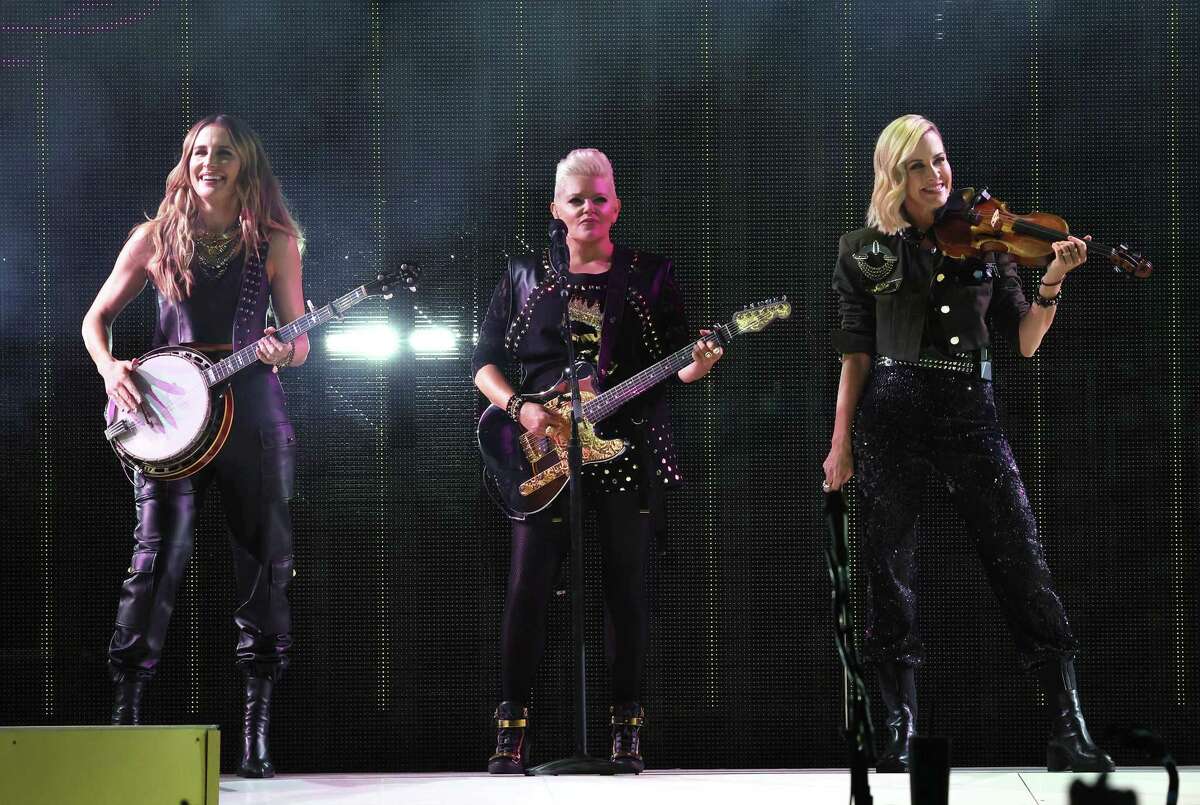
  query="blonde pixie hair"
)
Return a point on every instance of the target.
[
  {"x": 896, "y": 142},
  {"x": 584, "y": 162}
]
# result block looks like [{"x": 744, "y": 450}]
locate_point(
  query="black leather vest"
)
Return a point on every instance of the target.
[{"x": 185, "y": 321}]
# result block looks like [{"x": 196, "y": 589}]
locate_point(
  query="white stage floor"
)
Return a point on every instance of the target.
[{"x": 816, "y": 787}]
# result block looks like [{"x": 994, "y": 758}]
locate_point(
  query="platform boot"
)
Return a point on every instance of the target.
[
  {"x": 512, "y": 747},
  {"x": 627, "y": 721}
]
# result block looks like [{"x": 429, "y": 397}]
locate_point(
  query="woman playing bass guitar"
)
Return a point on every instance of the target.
[{"x": 625, "y": 313}]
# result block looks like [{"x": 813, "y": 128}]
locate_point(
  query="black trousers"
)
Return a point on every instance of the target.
[
  {"x": 913, "y": 422},
  {"x": 538, "y": 546},
  {"x": 254, "y": 472}
]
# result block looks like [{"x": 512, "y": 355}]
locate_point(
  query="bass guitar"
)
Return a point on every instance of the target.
[
  {"x": 187, "y": 407},
  {"x": 525, "y": 471}
]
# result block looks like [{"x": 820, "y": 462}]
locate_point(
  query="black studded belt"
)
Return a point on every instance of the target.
[{"x": 972, "y": 363}]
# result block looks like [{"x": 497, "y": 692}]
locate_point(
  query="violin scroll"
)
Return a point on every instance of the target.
[{"x": 1130, "y": 262}]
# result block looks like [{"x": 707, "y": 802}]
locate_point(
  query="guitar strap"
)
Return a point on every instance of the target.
[{"x": 614, "y": 310}]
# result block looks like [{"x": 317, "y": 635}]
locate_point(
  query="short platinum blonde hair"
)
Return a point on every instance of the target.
[
  {"x": 584, "y": 162},
  {"x": 896, "y": 143}
]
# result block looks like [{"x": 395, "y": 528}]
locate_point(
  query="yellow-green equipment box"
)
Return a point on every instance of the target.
[{"x": 110, "y": 765}]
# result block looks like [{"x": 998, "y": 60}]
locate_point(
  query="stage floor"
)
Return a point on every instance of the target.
[{"x": 815, "y": 787}]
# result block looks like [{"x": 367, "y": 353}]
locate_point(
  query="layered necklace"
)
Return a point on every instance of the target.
[{"x": 215, "y": 250}]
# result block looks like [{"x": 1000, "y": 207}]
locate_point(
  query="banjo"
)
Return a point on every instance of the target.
[{"x": 187, "y": 408}]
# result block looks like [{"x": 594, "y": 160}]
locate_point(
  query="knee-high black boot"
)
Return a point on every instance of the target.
[
  {"x": 127, "y": 701},
  {"x": 900, "y": 696},
  {"x": 256, "y": 724},
  {"x": 1070, "y": 748}
]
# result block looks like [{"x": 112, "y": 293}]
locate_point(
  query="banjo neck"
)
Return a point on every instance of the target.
[{"x": 226, "y": 368}]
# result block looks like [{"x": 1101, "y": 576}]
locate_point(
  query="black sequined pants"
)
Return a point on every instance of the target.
[
  {"x": 538, "y": 546},
  {"x": 254, "y": 472},
  {"x": 913, "y": 422}
]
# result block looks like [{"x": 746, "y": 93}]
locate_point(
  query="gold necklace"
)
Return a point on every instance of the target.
[{"x": 215, "y": 250}]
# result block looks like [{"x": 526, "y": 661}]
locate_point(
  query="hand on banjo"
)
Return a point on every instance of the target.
[
  {"x": 271, "y": 350},
  {"x": 120, "y": 386}
]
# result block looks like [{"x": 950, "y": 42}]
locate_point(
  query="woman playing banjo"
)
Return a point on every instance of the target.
[{"x": 221, "y": 248}]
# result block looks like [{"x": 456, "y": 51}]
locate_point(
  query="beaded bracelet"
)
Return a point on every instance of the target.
[
  {"x": 286, "y": 361},
  {"x": 1047, "y": 301},
  {"x": 513, "y": 407}
]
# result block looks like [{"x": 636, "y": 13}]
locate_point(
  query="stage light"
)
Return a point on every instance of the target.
[
  {"x": 369, "y": 342},
  {"x": 433, "y": 341}
]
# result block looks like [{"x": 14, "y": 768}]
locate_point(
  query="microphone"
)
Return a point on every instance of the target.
[{"x": 560, "y": 255}]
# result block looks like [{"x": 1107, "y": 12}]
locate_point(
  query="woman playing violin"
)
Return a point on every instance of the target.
[{"x": 916, "y": 381}]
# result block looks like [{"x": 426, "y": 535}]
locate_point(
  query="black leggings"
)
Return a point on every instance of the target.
[{"x": 538, "y": 546}]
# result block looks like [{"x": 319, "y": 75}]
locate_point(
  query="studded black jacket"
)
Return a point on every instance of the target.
[{"x": 522, "y": 327}]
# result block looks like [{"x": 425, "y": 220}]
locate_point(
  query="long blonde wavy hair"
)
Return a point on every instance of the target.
[
  {"x": 172, "y": 230},
  {"x": 896, "y": 142}
]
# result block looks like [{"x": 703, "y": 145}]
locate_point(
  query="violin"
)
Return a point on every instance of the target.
[{"x": 974, "y": 223}]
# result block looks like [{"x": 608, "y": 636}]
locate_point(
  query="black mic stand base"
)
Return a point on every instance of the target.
[{"x": 579, "y": 764}]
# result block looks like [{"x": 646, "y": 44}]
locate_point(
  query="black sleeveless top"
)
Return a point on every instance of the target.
[{"x": 224, "y": 307}]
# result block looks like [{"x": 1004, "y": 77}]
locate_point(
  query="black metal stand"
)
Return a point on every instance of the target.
[
  {"x": 581, "y": 762},
  {"x": 859, "y": 732}
]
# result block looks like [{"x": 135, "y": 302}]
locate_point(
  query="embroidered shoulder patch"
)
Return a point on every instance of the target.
[{"x": 876, "y": 261}]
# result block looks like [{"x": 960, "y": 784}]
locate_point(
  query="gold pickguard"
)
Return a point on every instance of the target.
[{"x": 550, "y": 454}]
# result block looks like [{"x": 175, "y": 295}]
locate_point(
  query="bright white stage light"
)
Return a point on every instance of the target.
[
  {"x": 433, "y": 340},
  {"x": 370, "y": 342}
]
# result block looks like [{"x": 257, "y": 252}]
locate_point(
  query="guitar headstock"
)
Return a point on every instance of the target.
[
  {"x": 1132, "y": 263},
  {"x": 759, "y": 315},
  {"x": 388, "y": 280}
]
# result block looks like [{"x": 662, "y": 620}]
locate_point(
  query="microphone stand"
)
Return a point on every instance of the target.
[
  {"x": 581, "y": 762},
  {"x": 859, "y": 732}
]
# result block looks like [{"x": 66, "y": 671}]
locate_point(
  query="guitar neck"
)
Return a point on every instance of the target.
[
  {"x": 603, "y": 405},
  {"x": 224, "y": 369}
]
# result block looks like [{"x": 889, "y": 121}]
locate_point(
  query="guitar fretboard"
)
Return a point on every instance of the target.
[
  {"x": 606, "y": 403},
  {"x": 239, "y": 360}
]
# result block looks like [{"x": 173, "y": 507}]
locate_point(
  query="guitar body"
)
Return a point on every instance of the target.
[
  {"x": 188, "y": 425},
  {"x": 526, "y": 471}
]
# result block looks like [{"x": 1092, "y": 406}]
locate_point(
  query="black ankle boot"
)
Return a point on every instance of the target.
[
  {"x": 512, "y": 749},
  {"x": 627, "y": 720},
  {"x": 256, "y": 724},
  {"x": 900, "y": 696},
  {"x": 127, "y": 702},
  {"x": 1070, "y": 748}
]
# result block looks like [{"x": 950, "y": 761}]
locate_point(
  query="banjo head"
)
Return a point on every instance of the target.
[{"x": 180, "y": 405}]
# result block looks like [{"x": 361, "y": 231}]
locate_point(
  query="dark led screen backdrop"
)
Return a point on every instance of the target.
[{"x": 741, "y": 134}]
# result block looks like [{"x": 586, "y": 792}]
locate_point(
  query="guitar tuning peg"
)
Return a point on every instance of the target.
[{"x": 387, "y": 296}]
